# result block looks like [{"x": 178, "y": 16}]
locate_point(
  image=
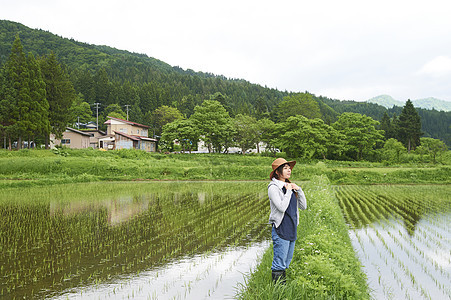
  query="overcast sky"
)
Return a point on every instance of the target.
[{"x": 347, "y": 50}]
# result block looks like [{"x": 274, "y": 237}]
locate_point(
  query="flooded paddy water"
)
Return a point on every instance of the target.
[
  {"x": 151, "y": 240},
  {"x": 402, "y": 236}
]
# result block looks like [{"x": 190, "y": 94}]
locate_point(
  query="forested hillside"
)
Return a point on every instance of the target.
[
  {"x": 101, "y": 74},
  {"x": 120, "y": 80}
]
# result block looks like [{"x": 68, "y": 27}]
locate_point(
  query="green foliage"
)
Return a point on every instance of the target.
[
  {"x": 306, "y": 138},
  {"x": 393, "y": 149},
  {"x": 113, "y": 110},
  {"x": 60, "y": 94},
  {"x": 298, "y": 104},
  {"x": 267, "y": 134},
  {"x": 81, "y": 112},
  {"x": 214, "y": 124},
  {"x": 182, "y": 130},
  {"x": 163, "y": 115},
  {"x": 246, "y": 132},
  {"x": 409, "y": 126},
  {"x": 360, "y": 134},
  {"x": 431, "y": 146},
  {"x": 24, "y": 112}
]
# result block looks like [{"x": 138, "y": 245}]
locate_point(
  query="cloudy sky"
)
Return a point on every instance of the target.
[{"x": 348, "y": 49}]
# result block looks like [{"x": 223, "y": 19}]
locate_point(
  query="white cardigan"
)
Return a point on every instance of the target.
[{"x": 279, "y": 201}]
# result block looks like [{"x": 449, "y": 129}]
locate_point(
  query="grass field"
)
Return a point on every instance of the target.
[{"x": 41, "y": 167}]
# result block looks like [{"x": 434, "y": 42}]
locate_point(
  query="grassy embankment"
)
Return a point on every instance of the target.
[
  {"x": 324, "y": 265},
  {"x": 41, "y": 167}
]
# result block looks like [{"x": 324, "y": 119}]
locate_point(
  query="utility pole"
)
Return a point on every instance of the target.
[
  {"x": 97, "y": 112},
  {"x": 127, "y": 106}
]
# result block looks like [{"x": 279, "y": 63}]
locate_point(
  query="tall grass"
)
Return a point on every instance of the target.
[{"x": 324, "y": 264}]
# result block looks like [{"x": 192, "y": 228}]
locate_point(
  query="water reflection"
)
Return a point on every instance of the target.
[
  {"x": 49, "y": 246},
  {"x": 401, "y": 235},
  {"x": 374, "y": 204},
  {"x": 212, "y": 275},
  {"x": 119, "y": 210}
]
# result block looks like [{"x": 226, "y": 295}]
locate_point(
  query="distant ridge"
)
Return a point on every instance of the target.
[{"x": 426, "y": 103}]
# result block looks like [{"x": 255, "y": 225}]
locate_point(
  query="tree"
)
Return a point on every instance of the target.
[
  {"x": 186, "y": 105},
  {"x": 9, "y": 91},
  {"x": 81, "y": 112},
  {"x": 409, "y": 126},
  {"x": 163, "y": 115},
  {"x": 182, "y": 130},
  {"x": 302, "y": 137},
  {"x": 38, "y": 116},
  {"x": 224, "y": 100},
  {"x": 214, "y": 123},
  {"x": 392, "y": 149},
  {"x": 360, "y": 133},
  {"x": 267, "y": 134},
  {"x": 266, "y": 130},
  {"x": 102, "y": 87},
  {"x": 60, "y": 94},
  {"x": 298, "y": 104},
  {"x": 261, "y": 108},
  {"x": 246, "y": 132},
  {"x": 23, "y": 100},
  {"x": 387, "y": 127},
  {"x": 115, "y": 111},
  {"x": 433, "y": 146}
]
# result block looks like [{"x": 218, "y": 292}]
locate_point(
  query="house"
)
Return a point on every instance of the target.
[
  {"x": 95, "y": 136},
  {"x": 72, "y": 138},
  {"x": 127, "y": 127},
  {"x": 123, "y": 134},
  {"x": 78, "y": 139},
  {"x": 90, "y": 125},
  {"x": 125, "y": 141}
]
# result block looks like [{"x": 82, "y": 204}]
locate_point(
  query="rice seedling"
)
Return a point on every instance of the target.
[
  {"x": 65, "y": 238},
  {"x": 403, "y": 224}
]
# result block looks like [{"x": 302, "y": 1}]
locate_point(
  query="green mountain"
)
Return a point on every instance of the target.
[
  {"x": 385, "y": 101},
  {"x": 426, "y": 103},
  {"x": 101, "y": 74},
  {"x": 432, "y": 103}
]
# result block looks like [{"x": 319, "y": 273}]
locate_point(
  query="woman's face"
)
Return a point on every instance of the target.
[{"x": 286, "y": 172}]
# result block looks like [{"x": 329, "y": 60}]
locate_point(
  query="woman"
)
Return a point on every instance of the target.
[{"x": 285, "y": 198}]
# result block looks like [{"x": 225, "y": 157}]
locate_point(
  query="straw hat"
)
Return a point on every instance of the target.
[{"x": 278, "y": 162}]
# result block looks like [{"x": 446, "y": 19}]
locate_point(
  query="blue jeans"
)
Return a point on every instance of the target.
[{"x": 283, "y": 252}]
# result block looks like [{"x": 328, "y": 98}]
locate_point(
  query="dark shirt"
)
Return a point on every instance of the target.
[{"x": 287, "y": 229}]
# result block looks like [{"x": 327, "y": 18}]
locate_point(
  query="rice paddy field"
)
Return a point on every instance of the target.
[
  {"x": 97, "y": 226},
  {"x": 152, "y": 240},
  {"x": 402, "y": 235}
]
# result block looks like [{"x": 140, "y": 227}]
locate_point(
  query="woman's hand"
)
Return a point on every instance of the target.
[{"x": 295, "y": 187}]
